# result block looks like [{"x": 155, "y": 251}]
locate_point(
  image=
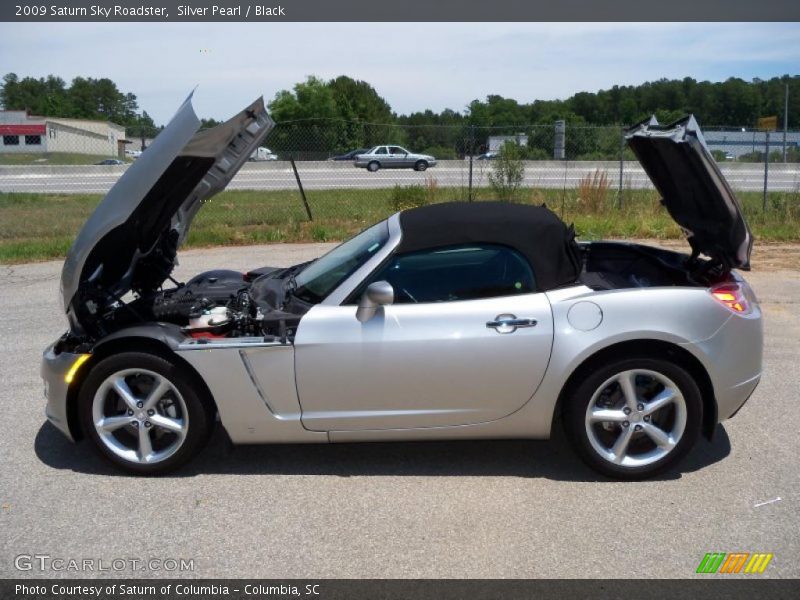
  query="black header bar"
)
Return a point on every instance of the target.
[{"x": 398, "y": 10}]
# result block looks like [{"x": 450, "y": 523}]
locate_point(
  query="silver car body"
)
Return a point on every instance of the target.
[
  {"x": 418, "y": 371},
  {"x": 393, "y": 157}
]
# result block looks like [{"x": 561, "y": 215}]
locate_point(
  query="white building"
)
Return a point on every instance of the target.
[
  {"x": 496, "y": 141},
  {"x": 24, "y": 133}
]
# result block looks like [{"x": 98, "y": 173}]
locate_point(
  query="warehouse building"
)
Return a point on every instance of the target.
[
  {"x": 24, "y": 133},
  {"x": 738, "y": 143}
]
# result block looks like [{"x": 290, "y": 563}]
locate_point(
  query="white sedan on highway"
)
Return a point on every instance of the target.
[{"x": 393, "y": 157}]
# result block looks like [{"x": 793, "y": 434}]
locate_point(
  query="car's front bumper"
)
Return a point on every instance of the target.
[{"x": 55, "y": 367}]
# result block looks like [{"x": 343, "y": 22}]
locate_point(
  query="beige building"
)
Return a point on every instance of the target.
[{"x": 24, "y": 133}]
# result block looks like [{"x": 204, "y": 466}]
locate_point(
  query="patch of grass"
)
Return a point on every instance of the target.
[
  {"x": 42, "y": 226},
  {"x": 51, "y": 158}
]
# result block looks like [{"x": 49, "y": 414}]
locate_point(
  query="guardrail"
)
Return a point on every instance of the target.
[{"x": 318, "y": 175}]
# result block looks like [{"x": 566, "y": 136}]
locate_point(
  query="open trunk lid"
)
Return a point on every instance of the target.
[
  {"x": 693, "y": 190},
  {"x": 130, "y": 241}
]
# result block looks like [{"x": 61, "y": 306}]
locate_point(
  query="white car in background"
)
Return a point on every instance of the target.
[
  {"x": 393, "y": 157},
  {"x": 261, "y": 154}
]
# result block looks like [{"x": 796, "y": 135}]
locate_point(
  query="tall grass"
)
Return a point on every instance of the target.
[{"x": 42, "y": 226}]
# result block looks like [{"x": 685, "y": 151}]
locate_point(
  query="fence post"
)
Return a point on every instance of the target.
[
  {"x": 471, "y": 152},
  {"x": 621, "y": 166},
  {"x": 302, "y": 191},
  {"x": 766, "y": 173},
  {"x": 560, "y": 142}
]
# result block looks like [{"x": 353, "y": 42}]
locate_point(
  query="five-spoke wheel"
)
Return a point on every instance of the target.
[
  {"x": 633, "y": 418},
  {"x": 140, "y": 416},
  {"x": 143, "y": 412}
]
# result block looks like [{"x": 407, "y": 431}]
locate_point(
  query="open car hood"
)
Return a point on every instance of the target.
[
  {"x": 130, "y": 241},
  {"x": 693, "y": 190}
]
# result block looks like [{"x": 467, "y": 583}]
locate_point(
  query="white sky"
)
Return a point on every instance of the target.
[{"x": 414, "y": 66}]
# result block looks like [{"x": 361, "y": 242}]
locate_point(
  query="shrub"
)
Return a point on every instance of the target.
[
  {"x": 441, "y": 152},
  {"x": 508, "y": 172}
]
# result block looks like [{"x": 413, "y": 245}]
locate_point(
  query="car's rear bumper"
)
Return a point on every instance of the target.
[
  {"x": 54, "y": 370},
  {"x": 733, "y": 360}
]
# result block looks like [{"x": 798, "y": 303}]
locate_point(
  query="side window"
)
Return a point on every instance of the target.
[
  {"x": 381, "y": 150},
  {"x": 396, "y": 150},
  {"x": 464, "y": 272}
]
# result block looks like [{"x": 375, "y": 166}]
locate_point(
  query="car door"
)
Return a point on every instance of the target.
[
  {"x": 443, "y": 354},
  {"x": 399, "y": 156},
  {"x": 381, "y": 154}
]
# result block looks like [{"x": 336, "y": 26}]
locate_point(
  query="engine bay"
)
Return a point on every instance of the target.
[{"x": 229, "y": 304}]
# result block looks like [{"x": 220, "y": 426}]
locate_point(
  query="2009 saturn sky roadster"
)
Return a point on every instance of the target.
[{"x": 450, "y": 321}]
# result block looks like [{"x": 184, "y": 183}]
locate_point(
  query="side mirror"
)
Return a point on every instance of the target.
[{"x": 379, "y": 293}]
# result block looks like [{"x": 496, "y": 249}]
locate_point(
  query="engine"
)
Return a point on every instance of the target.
[{"x": 225, "y": 303}]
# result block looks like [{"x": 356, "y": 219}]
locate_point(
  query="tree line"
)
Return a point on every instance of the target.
[
  {"x": 319, "y": 117},
  {"x": 84, "y": 98}
]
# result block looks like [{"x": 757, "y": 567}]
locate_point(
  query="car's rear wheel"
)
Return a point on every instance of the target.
[
  {"x": 144, "y": 412},
  {"x": 634, "y": 418},
  {"x": 420, "y": 165},
  {"x": 373, "y": 166}
]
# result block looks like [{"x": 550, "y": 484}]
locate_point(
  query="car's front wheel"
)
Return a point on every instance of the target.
[
  {"x": 144, "y": 412},
  {"x": 373, "y": 166},
  {"x": 634, "y": 418},
  {"x": 420, "y": 165}
]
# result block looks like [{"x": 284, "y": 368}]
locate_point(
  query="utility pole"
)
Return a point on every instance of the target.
[{"x": 785, "y": 119}]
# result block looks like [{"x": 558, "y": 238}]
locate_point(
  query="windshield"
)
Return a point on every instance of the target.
[{"x": 322, "y": 276}]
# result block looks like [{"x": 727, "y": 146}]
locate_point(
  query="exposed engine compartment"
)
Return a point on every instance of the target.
[
  {"x": 621, "y": 265},
  {"x": 224, "y": 303}
]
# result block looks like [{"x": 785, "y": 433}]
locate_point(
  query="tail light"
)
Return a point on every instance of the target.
[{"x": 732, "y": 297}]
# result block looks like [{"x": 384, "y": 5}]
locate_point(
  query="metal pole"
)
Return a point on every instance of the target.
[
  {"x": 785, "y": 120},
  {"x": 766, "y": 173},
  {"x": 621, "y": 163},
  {"x": 302, "y": 191},
  {"x": 471, "y": 152}
]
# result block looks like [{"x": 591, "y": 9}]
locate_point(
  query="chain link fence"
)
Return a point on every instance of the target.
[{"x": 304, "y": 182}]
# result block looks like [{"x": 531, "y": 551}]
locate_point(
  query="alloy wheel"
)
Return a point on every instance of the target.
[
  {"x": 636, "y": 418},
  {"x": 140, "y": 416}
]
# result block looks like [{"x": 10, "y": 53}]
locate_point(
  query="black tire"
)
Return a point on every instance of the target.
[
  {"x": 373, "y": 166},
  {"x": 198, "y": 406},
  {"x": 577, "y": 406},
  {"x": 420, "y": 165}
]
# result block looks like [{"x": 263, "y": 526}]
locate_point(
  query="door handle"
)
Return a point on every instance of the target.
[{"x": 508, "y": 323}]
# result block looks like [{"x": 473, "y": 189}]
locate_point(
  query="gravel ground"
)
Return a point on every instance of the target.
[{"x": 466, "y": 509}]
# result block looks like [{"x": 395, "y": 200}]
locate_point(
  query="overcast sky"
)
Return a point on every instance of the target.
[{"x": 412, "y": 65}]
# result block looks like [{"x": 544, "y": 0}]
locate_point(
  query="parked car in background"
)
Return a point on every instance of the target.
[
  {"x": 393, "y": 157},
  {"x": 487, "y": 156},
  {"x": 729, "y": 156},
  {"x": 110, "y": 161},
  {"x": 349, "y": 155},
  {"x": 261, "y": 154},
  {"x": 133, "y": 153}
]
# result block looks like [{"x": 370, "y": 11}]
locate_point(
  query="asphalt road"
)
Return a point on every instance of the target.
[
  {"x": 467, "y": 509},
  {"x": 328, "y": 175}
]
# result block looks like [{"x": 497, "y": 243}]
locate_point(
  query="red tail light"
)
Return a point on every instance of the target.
[{"x": 731, "y": 296}]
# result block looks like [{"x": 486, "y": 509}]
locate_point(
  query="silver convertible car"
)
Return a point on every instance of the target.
[{"x": 450, "y": 321}]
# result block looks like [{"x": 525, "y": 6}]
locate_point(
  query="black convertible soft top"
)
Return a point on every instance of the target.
[{"x": 534, "y": 231}]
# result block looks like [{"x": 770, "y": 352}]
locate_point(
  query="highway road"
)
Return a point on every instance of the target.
[
  {"x": 450, "y": 509},
  {"x": 328, "y": 175}
]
